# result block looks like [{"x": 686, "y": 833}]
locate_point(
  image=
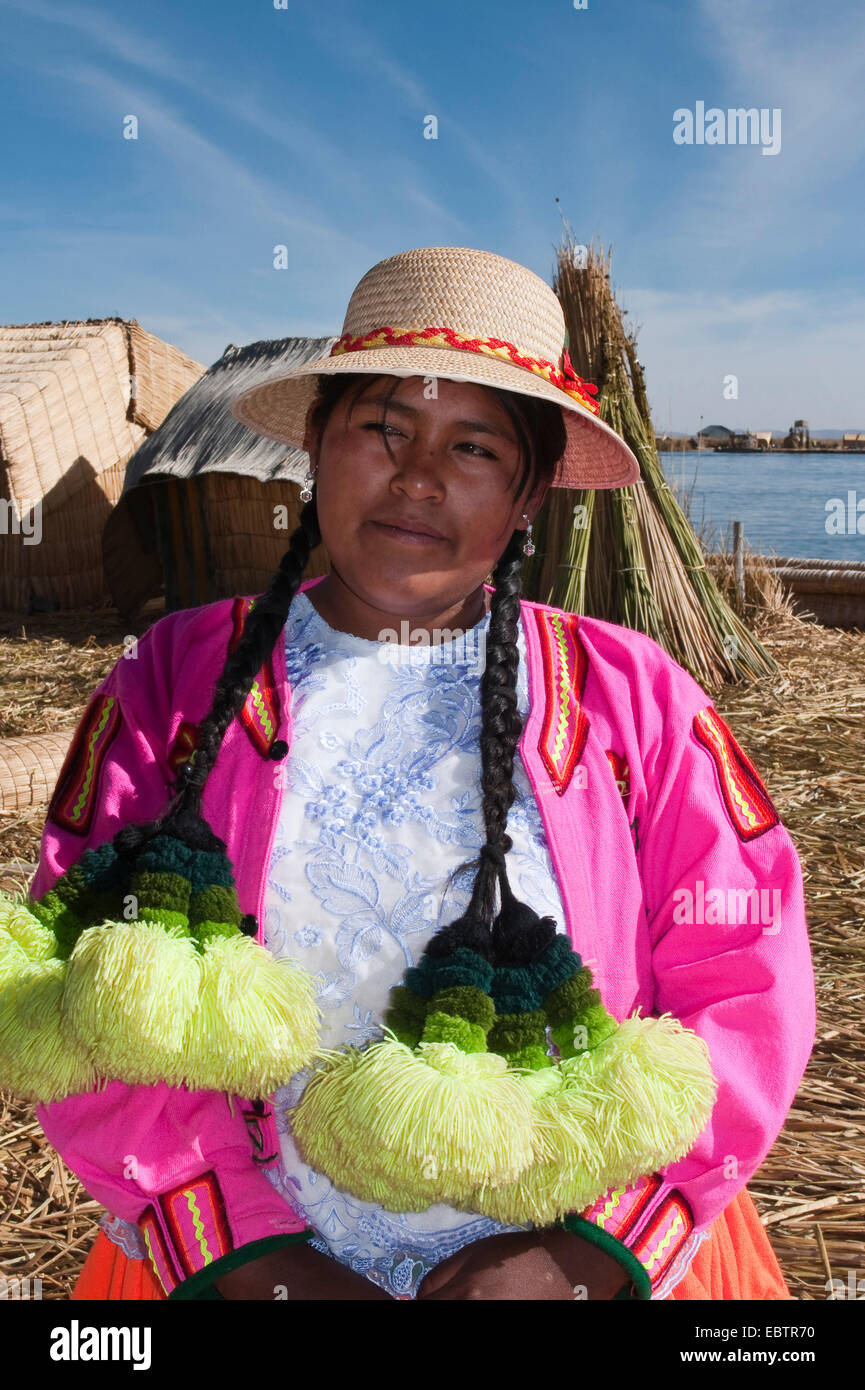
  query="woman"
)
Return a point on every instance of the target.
[{"x": 350, "y": 796}]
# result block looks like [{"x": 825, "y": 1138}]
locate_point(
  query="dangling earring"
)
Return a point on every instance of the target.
[
  {"x": 306, "y": 490},
  {"x": 528, "y": 548}
]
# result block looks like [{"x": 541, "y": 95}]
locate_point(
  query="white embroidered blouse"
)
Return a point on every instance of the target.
[{"x": 382, "y": 803}]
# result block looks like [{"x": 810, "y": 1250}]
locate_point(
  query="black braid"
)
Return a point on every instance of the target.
[
  {"x": 262, "y": 628},
  {"x": 501, "y": 723},
  {"x": 264, "y": 622}
]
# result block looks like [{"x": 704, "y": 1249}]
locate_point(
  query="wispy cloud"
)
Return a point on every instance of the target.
[
  {"x": 813, "y": 369},
  {"x": 813, "y": 71}
]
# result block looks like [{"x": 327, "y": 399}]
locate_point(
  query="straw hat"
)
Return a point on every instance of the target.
[{"x": 465, "y": 315}]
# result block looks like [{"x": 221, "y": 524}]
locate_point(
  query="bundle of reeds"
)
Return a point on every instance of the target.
[{"x": 629, "y": 555}]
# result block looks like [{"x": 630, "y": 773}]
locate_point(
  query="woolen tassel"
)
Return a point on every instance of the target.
[
  {"x": 256, "y": 1022},
  {"x": 635, "y": 1103},
  {"x": 36, "y": 1060},
  {"x": 412, "y": 1128},
  {"x": 18, "y": 925},
  {"x": 131, "y": 989}
]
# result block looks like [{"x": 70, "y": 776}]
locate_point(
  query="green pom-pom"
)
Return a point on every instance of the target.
[
  {"x": 467, "y": 1003},
  {"x": 19, "y": 925},
  {"x": 568, "y": 999},
  {"x": 72, "y": 887},
  {"x": 513, "y": 1031},
  {"x": 175, "y": 923},
  {"x": 533, "y": 1057},
  {"x": 558, "y": 964},
  {"x": 130, "y": 990},
  {"x": 256, "y": 1021},
  {"x": 599, "y": 1024},
  {"x": 160, "y": 890},
  {"x": 447, "y": 1028},
  {"x": 514, "y": 990},
  {"x": 411, "y": 1128},
  {"x": 36, "y": 1059},
  {"x": 207, "y": 869},
  {"x": 207, "y": 931},
  {"x": 215, "y": 904},
  {"x": 406, "y": 1014},
  {"x": 607, "y": 1117}
]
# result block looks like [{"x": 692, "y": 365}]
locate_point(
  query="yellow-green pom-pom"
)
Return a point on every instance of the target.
[
  {"x": 17, "y": 924},
  {"x": 36, "y": 1060},
  {"x": 631, "y": 1105},
  {"x": 256, "y": 1023},
  {"x": 131, "y": 988},
  {"x": 409, "y": 1128}
]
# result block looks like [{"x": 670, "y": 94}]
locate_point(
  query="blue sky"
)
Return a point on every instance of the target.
[{"x": 303, "y": 126}]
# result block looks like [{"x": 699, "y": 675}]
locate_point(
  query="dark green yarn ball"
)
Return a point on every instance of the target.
[
  {"x": 558, "y": 963},
  {"x": 210, "y": 868},
  {"x": 462, "y": 967},
  {"x": 165, "y": 854},
  {"x": 514, "y": 990},
  {"x": 104, "y": 870}
]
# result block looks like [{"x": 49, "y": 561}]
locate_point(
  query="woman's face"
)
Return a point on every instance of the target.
[{"x": 454, "y": 468}]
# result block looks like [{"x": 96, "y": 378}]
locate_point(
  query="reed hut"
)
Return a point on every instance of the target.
[
  {"x": 208, "y": 506},
  {"x": 76, "y": 400}
]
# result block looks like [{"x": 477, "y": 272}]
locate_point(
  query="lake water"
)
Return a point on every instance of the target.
[{"x": 781, "y": 499}]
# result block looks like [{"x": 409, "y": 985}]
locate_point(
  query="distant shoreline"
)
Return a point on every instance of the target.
[{"x": 665, "y": 445}]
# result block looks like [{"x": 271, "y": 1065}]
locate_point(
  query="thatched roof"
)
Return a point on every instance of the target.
[
  {"x": 76, "y": 400},
  {"x": 180, "y": 530},
  {"x": 81, "y": 392},
  {"x": 200, "y": 435}
]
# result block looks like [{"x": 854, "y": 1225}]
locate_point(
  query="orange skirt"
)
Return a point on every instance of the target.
[{"x": 736, "y": 1262}]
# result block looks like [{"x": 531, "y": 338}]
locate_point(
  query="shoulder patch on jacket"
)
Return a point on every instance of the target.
[
  {"x": 74, "y": 799},
  {"x": 565, "y": 726},
  {"x": 260, "y": 713},
  {"x": 748, "y": 803}
]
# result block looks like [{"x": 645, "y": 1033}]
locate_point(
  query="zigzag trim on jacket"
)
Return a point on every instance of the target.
[{"x": 654, "y": 1231}]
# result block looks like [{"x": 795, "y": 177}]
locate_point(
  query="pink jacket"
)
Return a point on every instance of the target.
[{"x": 682, "y": 892}]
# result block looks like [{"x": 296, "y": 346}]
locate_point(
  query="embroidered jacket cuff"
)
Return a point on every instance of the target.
[
  {"x": 193, "y": 1228},
  {"x": 201, "y": 1285},
  {"x": 644, "y": 1225}
]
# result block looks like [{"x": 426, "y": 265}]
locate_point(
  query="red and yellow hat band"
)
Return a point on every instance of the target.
[{"x": 565, "y": 379}]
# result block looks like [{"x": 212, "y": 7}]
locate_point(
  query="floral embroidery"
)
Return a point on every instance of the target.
[{"x": 383, "y": 777}]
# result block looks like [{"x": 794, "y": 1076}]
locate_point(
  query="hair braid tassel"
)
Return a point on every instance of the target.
[
  {"x": 503, "y": 1085},
  {"x": 180, "y": 993}
]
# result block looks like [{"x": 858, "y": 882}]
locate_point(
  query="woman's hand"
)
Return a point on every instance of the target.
[
  {"x": 299, "y": 1274},
  {"x": 553, "y": 1264}
]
